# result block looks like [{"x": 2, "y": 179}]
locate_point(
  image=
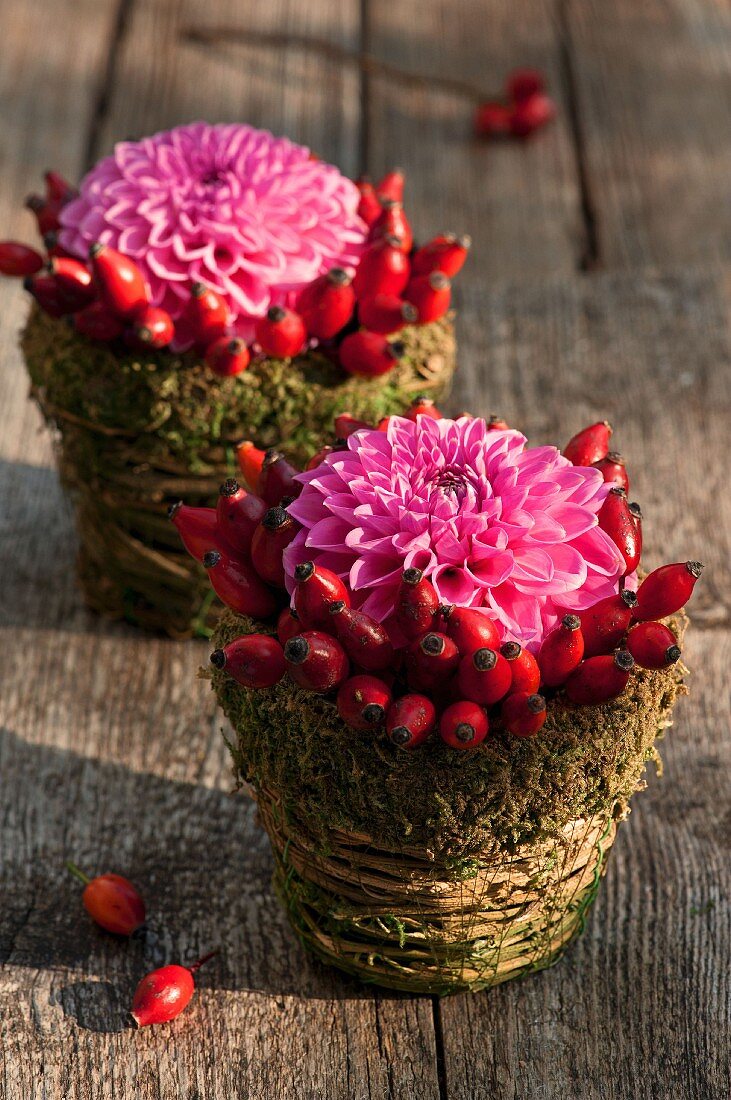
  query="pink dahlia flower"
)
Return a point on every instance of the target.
[
  {"x": 251, "y": 215},
  {"x": 494, "y": 524}
]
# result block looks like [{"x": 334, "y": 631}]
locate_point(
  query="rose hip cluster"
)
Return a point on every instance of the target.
[
  {"x": 450, "y": 668},
  {"x": 525, "y": 108},
  {"x": 348, "y": 316}
]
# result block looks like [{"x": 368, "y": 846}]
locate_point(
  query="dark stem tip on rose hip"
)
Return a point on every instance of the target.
[
  {"x": 445, "y": 610},
  {"x": 618, "y": 491},
  {"x": 628, "y": 598},
  {"x": 336, "y": 607},
  {"x": 695, "y": 568},
  {"x": 464, "y": 732},
  {"x": 211, "y": 558},
  {"x": 229, "y": 488},
  {"x": 274, "y": 518},
  {"x": 174, "y": 509},
  {"x": 672, "y": 654},
  {"x": 536, "y": 704},
  {"x": 339, "y": 276},
  {"x": 623, "y": 659},
  {"x": 96, "y": 248},
  {"x": 271, "y": 455},
  {"x": 276, "y": 314},
  {"x": 410, "y": 314},
  {"x": 511, "y": 650},
  {"x": 571, "y": 622},
  {"x": 393, "y": 240},
  {"x": 635, "y": 509},
  {"x": 397, "y": 349},
  {"x": 484, "y": 659},
  {"x": 373, "y": 713},
  {"x": 218, "y": 658},
  {"x": 296, "y": 650},
  {"x": 432, "y": 644},
  {"x": 422, "y": 399},
  {"x": 198, "y": 290},
  {"x": 615, "y": 456},
  {"x": 304, "y": 570},
  {"x": 235, "y": 346},
  {"x": 411, "y": 576},
  {"x": 439, "y": 281},
  {"x": 400, "y": 735}
]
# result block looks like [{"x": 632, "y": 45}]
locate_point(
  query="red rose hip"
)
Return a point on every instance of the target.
[
  {"x": 561, "y": 651},
  {"x": 600, "y": 679},
  {"x": 270, "y": 539},
  {"x": 653, "y": 645},
  {"x": 392, "y": 222},
  {"x": 369, "y": 354},
  {"x": 430, "y": 661},
  {"x": 410, "y": 720},
  {"x": 153, "y": 327},
  {"x": 430, "y": 295},
  {"x": 316, "y": 589},
  {"x": 416, "y": 604},
  {"x": 386, "y": 313},
  {"x": 469, "y": 628},
  {"x": 207, "y": 315},
  {"x": 238, "y": 514},
  {"x": 98, "y": 322},
  {"x": 197, "y": 527},
  {"x": 112, "y": 902},
  {"x": 227, "y": 357},
  {"x": 327, "y": 304},
  {"x": 617, "y": 521},
  {"x": 17, "y": 259},
  {"x": 254, "y": 661},
  {"x": 383, "y": 269},
  {"x": 121, "y": 283},
  {"x": 250, "y": 460},
  {"x": 445, "y": 253},
  {"x": 316, "y": 661},
  {"x": 523, "y": 713},
  {"x": 612, "y": 468},
  {"x": 363, "y": 638},
  {"x": 287, "y": 625},
  {"x": 484, "y": 676},
  {"x": 369, "y": 208},
  {"x": 277, "y": 478},
  {"x": 363, "y": 702},
  {"x": 666, "y": 590},
  {"x": 604, "y": 624},
  {"x": 464, "y": 725},
  {"x": 281, "y": 333},
  {"x": 390, "y": 188},
  {"x": 524, "y": 671},
  {"x": 165, "y": 993},
  {"x": 238, "y": 586},
  {"x": 589, "y": 445}
]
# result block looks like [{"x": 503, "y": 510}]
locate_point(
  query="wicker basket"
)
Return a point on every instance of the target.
[{"x": 136, "y": 436}]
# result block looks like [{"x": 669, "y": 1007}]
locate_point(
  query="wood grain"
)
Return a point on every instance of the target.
[{"x": 110, "y": 750}]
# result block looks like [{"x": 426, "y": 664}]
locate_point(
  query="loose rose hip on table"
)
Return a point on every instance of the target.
[
  {"x": 111, "y": 901},
  {"x": 455, "y": 693},
  {"x": 204, "y": 285}
]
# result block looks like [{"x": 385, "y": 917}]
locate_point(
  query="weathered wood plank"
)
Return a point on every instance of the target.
[
  {"x": 653, "y": 83},
  {"x": 520, "y": 202},
  {"x": 638, "y": 1008}
]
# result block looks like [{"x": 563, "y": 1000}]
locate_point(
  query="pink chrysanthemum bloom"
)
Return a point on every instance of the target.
[
  {"x": 251, "y": 215},
  {"x": 494, "y": 524}
]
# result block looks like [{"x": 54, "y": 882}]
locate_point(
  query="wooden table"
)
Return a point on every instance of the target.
[{"x": 598, "y": 286}]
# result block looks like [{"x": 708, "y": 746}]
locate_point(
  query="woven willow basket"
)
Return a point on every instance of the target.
[
  {"x": 136, "y": 435},
  {"x": 437, "y": 871}
]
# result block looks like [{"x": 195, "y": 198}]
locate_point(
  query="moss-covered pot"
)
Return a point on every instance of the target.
[
  {"x": 437, "y": 871},
  {"x": 137, "y": 433}
]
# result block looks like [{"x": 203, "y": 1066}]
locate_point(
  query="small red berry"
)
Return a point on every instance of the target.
[
  {"x": 369, "y": 354},
  {"x": 524, "y": 671},
  {"x": 74, "y": 283},
  {"x": 666, "y": 590},
  {"x": 345, "y": 425},
  {"x": 492, "y": 119},
  {"x": 44, "y": 289},
  {"x": 392, "y": 222},
  {"x": 320, "y": 457},
  {"x": 386, "y": 313},
  {"x": 600, "y": 679},
  {"x": 58, "y": 189},
  {"x": 227, "y": 357},
  {"x": 422, "y": 406},
  {"x": 281, "y": 333},
  {"x": 238, "y": 514},
  {"x": 613, "y": 469},
  {"x": 410, "y": 720},
  {"x": 369, "y": 208},
  {"x": 523, "y": 83},
  {"x": 288, "y": 624},
  {"x": 531, "y": 114},
  {"x": 270, "y": 539},
  {"x": 250, "y": 460},
  {"x": 390, "y": 188},
  {"x": 445, "y": 253},
  {"x": 616, "y": 520},
  {"x": 469, "y": 628},
  {"x": 98, "y": 322},
  {"x": 316, "y": 661},
  {"x": 364, "y": 639},
  {"x": 112, "y": 902},
  {"x": 653, "y": 645},
  {"x": 277, "y": 478},
  {"x": 363, "y": 702},
  {"x": 431, "y": 295},
  {"x": 327, "y": 304},
  {"x": 589, "y": 445},
  {"x": 197, "y": 527},
  {"x": 430, "y": 661},
  {"x": 315, "y": 590},
  {"x": 484, "y": 676},
  {"x": 238, "y": 586},
  {"x": 383, "y": 269},
  {"x": 416, "y": 604},
  {"x": 120, "y": 282},
  {"x": 464, "y": 725},
  {"x": 207, "y": 315},
  {"x": 497, "y": 424},
  {"x": 153, "y": 327},
  {"x": 254, "y": 661},
  {"x": 604, "y": 624},
  {"x": 18, "y": 259},
  {"x": 561, "y": 651},
  {"x": 163, "y": 994},
  {"x": 523, "y": 713}
]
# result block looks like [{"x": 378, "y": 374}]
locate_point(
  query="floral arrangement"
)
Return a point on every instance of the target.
[
  {"x": 436, "y": 574},
  {"x": 241, "y": 245}
]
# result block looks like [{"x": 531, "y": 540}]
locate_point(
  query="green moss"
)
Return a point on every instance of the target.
[{"x": 587, "y": 761}]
